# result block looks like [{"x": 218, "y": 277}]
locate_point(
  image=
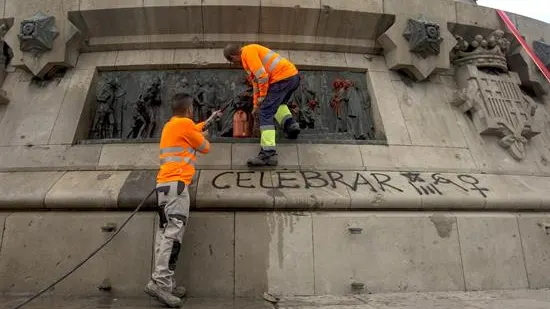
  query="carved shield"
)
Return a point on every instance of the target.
[{"x": 497, "y": 106}]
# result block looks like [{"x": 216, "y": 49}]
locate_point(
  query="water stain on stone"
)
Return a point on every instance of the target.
[
  {"x": 443, "y": 225},
  {"x": 315, "y": 202},
  {"x": 276, "y": 193},
  {"x": 103, "y": 176},
  {"x": 280, "y": 240},
  {"x": 378, "y": 199}
]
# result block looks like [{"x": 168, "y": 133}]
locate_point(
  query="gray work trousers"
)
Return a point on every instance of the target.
[{"x": 173, "y": 203}]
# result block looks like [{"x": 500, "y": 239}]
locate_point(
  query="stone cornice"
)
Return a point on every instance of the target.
[{"x": 280, "y": 189}]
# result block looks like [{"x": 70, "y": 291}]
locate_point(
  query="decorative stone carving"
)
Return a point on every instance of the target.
[
  {"x": 37, "y": 34},
  {"x": 105, "y": 125},
  {"x": 520, "y": 62},
  {"x": 542, "y": 50},
  {"x": 491, "y": 95},
  {"x": 424, "y": 37},
  {"x": 146, "y": 112},
  {"x": 417, "y": 46},
  {"x": 146, "y": 106},
  {"x": 346, "y": 103},
  {"x": 482, "y": 52},
  {"x": 47, "y": 43},
  {"x": 6, "y": 54}
]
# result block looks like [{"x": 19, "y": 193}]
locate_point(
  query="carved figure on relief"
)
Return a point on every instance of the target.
[
  {"x": 146, "y": 111},
  {"x": 105, "y": 123},
  {"x": 304, "y": 104},
  {"x": 491, "y": 94},
  {"x": 346, "y": 103}
]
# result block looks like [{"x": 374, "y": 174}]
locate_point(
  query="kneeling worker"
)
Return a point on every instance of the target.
[
  {"x": 274, "y": 79},
  {"x": 180, "y": 140}
]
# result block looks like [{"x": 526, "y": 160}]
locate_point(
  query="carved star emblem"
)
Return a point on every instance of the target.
[
  {"x": 409, "y": 39},
  {"x": 37, "y": 33},
  {"x": 424, "y": 37}
]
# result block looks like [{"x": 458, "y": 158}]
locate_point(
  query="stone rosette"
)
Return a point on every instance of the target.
[
  {"x": 37, "y": 33},
  {"x": 47, "y": 42},
  {"x": 417, "y": 45}
]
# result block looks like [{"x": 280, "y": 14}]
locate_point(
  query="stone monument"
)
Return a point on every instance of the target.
[{"x": 423, "y": 162}]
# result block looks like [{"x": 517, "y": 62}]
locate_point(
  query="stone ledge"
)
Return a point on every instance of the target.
[
  {"x": 226, "y": 156},
  {"x": 49, "y": 157},
  {"x": 282, "y": 189},
  {"x": 25, "y": 190},
  {"x": 87, "y": 190},
  {"x": 324, "y": 24}
]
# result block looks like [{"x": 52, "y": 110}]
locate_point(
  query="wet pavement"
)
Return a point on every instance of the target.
[{"x": 517, "y": 299}]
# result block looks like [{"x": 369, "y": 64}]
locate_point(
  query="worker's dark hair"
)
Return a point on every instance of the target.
[
  {"x": 180, "y": 103},
  {"x": 231, "y": 50}
]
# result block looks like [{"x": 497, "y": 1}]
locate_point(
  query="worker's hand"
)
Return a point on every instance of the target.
[
  {"x": 205, "y": 133},
  {"x": 256, "y": 110},
  {"x": 214, "y": 116}
]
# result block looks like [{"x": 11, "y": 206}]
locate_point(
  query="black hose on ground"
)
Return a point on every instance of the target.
[{"x": 89, "y": 257}]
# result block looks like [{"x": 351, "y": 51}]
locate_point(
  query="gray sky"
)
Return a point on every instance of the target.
[{"x": 537, "y": 9}]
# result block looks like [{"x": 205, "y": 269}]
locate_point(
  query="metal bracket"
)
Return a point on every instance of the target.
[
  {"x": 545, "y": 227},
  {"x": 105, "y": 286},
  {"x": 354, "y": 228},
  {"x": 109, "y": 227}
]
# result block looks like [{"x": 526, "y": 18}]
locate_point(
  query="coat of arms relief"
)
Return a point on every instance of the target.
[{"x": 491, "y": 94}]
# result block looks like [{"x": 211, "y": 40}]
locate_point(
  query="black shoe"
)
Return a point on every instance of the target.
[
  {"x": 264, "y": 158},
  {"x": 292, "y": 130}
]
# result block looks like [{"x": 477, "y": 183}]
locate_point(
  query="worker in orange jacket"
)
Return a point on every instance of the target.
[
  {"x": 274, "y": 79},
  {"x": 181, "y": 139}
]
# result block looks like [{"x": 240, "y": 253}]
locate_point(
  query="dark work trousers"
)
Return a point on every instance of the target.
[{"x": 278, "y": 93}]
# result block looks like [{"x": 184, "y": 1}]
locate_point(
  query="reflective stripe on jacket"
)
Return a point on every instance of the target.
[
  {"x": 265, "y": 67},
  {"x": 181, "y": 139}
]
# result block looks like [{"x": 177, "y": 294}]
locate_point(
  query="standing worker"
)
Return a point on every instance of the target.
[
  {"x": 274, "y": 79},
  {"x": 180, "y": 140}
]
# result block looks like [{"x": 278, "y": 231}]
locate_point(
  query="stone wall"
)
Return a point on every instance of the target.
[
  {"x": 436, "y": 206},
  {"x": 239, "y": 254}
]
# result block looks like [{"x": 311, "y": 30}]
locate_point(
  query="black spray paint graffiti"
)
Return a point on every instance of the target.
[
  {"x": 374, "y": 182},
  {"x": 424, "y": 187}
]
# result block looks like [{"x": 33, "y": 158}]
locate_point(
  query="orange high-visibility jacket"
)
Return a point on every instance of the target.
[
  {"x": 180, "y": 140},
  {"x": 265, "y": 67}
]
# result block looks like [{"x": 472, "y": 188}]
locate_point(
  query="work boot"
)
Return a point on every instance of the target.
[
  {"x": 264, "y": 158},
  {"x": 179, "y": 291},
  {"x": 155, "y": 291},
  {"x": 292, "y": 129}
]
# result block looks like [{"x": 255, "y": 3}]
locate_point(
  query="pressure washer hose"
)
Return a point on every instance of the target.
[{"x": 89, "y": 257}]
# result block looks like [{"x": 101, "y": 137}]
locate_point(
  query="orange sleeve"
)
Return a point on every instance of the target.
[
  {"x": 200, "y": 126},
  {"x": 254, "y": 63},
  {"x": 194, "y": 137}
]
